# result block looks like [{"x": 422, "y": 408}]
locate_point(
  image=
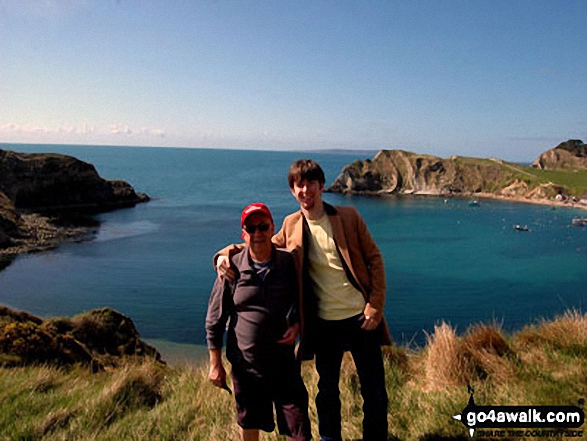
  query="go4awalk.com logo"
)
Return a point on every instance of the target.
[{"x": 522, "y": 421}]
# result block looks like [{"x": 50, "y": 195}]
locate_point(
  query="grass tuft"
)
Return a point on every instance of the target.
[
  {"x": 54, "y": 421},
  {"x": 566, "y": 332},
  {"x": 133, "y": 388},
  {"x": 483, "y": 350},
  {"x": 444, "y": 364}
]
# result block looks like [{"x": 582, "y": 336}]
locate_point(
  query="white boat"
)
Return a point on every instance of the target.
[
  {"x": 521, "y": 227},
  {"x": 580, "y": 221}
]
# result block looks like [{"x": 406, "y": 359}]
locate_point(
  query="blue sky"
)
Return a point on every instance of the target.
[{"x": 477, "y": 78}]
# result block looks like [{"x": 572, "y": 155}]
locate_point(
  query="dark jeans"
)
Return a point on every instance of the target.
[{"x": 333, "y": 338}]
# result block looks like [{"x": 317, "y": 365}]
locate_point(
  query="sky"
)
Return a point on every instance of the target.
[{"x": 496, "y": 78}]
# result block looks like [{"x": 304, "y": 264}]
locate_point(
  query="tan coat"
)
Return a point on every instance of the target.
[{"x": 360, "y": 255}]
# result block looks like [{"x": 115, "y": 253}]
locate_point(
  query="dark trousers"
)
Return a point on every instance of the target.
[{"x": 333, "y": 338}]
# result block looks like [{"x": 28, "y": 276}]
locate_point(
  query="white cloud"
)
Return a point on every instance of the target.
[
  {"x": 86, "y": 130},
  {"x": 115, "y": 129},
  {"x": 146, "y": 131}
]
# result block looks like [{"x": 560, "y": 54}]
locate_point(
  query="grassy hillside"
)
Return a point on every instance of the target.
[
  {"x": 573, "y": 180},
  {"x": 543, "y": 364},
  {"x": 402, "y": 172}
]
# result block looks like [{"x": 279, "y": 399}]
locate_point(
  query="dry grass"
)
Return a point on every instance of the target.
[
  {"x": 543, "y": 364},
  {"x": 567, "y": 332},
  {"x": 456, "y": 361},
  {"x": 487, "y": 353},
  {"x": 443, "y": 363}
]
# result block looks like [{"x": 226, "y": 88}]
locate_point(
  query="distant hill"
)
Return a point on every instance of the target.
[
  {"x": 402, "y": 172},
  {"x": 571, "y": 154},
  {"x": 343, "y": 152}
]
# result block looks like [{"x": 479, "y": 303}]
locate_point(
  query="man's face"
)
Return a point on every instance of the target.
[
  {"x": 308, "y": 193},
  {"x": 258, "y": 230}
]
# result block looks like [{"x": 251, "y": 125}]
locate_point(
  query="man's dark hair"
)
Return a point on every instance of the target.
[{"x": 305, "y": 169}]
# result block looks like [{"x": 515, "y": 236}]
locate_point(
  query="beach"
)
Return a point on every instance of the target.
[{"x": 547, "y": 202}]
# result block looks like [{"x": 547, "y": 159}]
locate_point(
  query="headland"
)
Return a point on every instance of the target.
[
  {"x": 46, "y": 199},
  {"x": 557, "y": 177}
]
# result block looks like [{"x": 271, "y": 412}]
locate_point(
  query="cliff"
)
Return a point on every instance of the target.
[
  {"x": 571, "y": 154},
  {"x": 101, "y": 337},
  {"x": 39, "y": 191},
  {"x": 49, "y": 181},
  {"x": 402, "y": 172}
]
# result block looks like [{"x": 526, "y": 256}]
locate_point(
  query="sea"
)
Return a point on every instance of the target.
[{"x": 445, "y": 259}]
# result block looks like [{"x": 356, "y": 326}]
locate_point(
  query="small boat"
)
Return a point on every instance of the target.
[
  {"x": 579, "y": 221},
  {"x": 474, "y": 203},
  {"x": 521, "y": 227}
]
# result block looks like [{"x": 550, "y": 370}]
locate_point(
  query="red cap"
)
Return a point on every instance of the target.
[{"x": 256, "y": 207}]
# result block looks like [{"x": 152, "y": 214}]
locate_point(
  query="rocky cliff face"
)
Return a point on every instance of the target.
[
  {"x": 569, "y": 154},
  {"x": 33, "y": 185},
  {"x": 401, "y": 172},
  {"x": 49, "y": 181}
]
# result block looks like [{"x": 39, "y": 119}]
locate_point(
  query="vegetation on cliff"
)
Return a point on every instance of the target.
[
  {"x": 98, "y": 338},
  {"x": 543, "y": 364},
  {"x": 401, "y": 172}
]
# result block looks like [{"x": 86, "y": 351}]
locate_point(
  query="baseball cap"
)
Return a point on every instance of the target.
[{"x": 256, "y": 207}]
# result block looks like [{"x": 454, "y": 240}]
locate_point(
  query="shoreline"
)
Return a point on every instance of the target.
[
  {"x": 179, "y": 354},
  {"x": 521, "y": 199},
  {"x": 472, "y": 196},
  {"x": 39, "y": 234}
]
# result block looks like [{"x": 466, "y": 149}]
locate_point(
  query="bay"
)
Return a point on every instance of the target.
[{"x": 444, "y": 260}]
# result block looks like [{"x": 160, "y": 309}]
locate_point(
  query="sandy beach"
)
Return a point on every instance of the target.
[{"x": 547, "y": 202}]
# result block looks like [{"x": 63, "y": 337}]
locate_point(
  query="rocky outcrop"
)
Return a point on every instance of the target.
[
  {"x": 571, "y": 154},
  {"x": 401, "y": 172},
  {"x": 101, "y": 337},
  {"x": 37, "y": 191},
  {"x": 50, "y": 181}
]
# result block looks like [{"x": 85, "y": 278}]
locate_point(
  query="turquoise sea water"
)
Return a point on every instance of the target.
[{"x": 444, "y": 260}]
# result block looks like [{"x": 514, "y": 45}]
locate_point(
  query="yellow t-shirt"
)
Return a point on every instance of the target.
[{"x": 338, "y": 299}]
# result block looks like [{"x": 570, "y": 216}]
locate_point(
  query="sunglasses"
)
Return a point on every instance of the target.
[{"x": 252, "y": 228}]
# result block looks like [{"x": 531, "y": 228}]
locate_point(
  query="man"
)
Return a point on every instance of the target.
[
  {"x": 260, "y": 305},
  {"x": 342, "y": 275}
]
